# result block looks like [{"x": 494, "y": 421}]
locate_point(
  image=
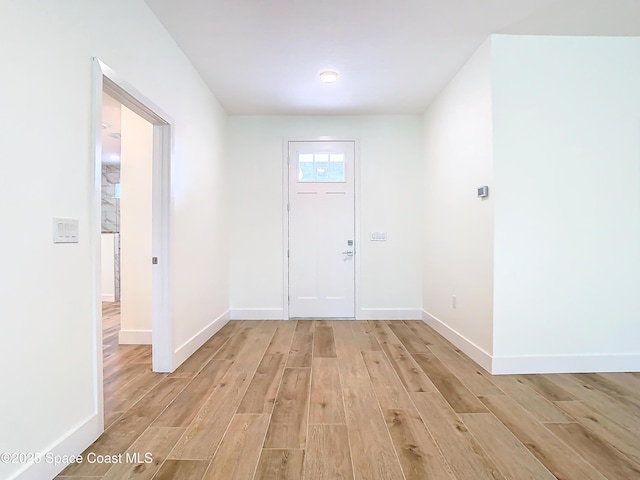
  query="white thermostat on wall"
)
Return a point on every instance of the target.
[
  {"x": 378, "y": 236},
  {"x": 483, "y": 191}
]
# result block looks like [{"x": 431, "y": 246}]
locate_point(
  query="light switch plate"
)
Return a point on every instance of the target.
[
  {"x": 65, "y": 230},
  {"x": 378, "y": 236}
]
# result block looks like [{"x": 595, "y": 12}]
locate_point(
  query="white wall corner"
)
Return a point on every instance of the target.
[
  {"x": 566, "y": 364},
  {"x": 108, "y": 297},
  {"x": 389, "y": 314},
  {"x": 473, "y": 351},
  {"x": 72, "y": 443},
  {"x": 134, "y": 337},
  {"x": 188, "y": 348},
  {"x": 257, "y": 314}
]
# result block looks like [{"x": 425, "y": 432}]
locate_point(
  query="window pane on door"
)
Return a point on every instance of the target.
[{"x": 321, "y": 168}]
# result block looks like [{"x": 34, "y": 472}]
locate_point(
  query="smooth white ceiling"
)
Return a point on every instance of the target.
[{"x": 393, "y": 56}]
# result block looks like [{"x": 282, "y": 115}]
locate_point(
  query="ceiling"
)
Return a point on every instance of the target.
[{"x": 393, "y": 56}]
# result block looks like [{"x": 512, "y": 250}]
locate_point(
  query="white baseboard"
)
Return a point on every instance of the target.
[
  {"x": 134, "y": 337},
  {"x": 389, "y": 314},
  {"x": 472, "y": 350},
  {"x": 566, "y": 364},
  {"x": 257, "y": 314},
  {"x": 512, "y": 365},
  {"x": 73, "y": 443},
  {"x": 188, "y": 348},
  {"x": 108, "y": 297}
]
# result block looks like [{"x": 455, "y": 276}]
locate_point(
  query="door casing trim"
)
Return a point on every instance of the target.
[{"x": 107, "y": 80}]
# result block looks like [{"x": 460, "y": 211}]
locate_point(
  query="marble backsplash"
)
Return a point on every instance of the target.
[
  {"x": 110, "y": 204},
  {"x": 111, "y": 215}
]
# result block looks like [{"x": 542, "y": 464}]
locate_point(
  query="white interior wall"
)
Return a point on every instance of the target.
[
  {"x": 48, "y": 170},
  {"x": 136, "y": 153},
  {"x": 567, "y": 213},
  {"x": 107, "y": 267},
  {"x": 457, "y": 251},
  {"x": 388, "y": 150}
]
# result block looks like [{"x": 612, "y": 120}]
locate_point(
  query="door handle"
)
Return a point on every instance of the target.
[{"x": 348, "y": 253}]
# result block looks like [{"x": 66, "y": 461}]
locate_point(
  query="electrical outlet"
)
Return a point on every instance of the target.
[{"x": 454, "y": 301}]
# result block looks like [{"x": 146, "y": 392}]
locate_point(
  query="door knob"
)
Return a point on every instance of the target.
[{"x": 348, "y": 253}]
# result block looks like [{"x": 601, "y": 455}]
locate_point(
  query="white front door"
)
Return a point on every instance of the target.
[{"x": 321, "y": 230}]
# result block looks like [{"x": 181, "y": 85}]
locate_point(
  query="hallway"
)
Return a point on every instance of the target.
[{"x": 367, "y": 400}]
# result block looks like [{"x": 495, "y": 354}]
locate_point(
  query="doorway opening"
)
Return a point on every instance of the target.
[
  {"x": 131, "y": 191},
  {"x": 321, "y": 230}
]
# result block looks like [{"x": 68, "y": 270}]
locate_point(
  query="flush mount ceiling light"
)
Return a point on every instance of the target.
[{"x": 328, "y": 77}]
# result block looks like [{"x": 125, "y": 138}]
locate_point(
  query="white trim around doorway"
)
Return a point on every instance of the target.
[{"x": 106, "y": 80}]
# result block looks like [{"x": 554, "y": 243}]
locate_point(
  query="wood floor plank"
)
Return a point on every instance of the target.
[
  {"x": 545, "y": 387},
  {"x": 302, "y": 345},
  {"x": 253, "y": 350},
  {"x": 288, "y": 426},
  {"x": 511, "y": 457},
  {"x": 124, "y": 431},
  {"x": 281, "y": 342},
  {"x": 110, "y": 418},
  {"x": 205, "y": 353},
  {"x": 238, "y": 454},
  {"x": 410, "y": 374},
  {"x": 468, "y": 372},
  {"x": 613, "y": 407},
  {"x": 205, "y": 432},
  {"x": 372, "y": 450},
  {"x": 323, "y": 343},
  {"x": 325, "y": 404},
  {"x": 388, "y": 388},
  {"x": 134, "y": 390},
  {"x": 419, "y": 454},
  {"x": 253, "y": 324},
  {"x": 231, "y": 349},
  {"x": 411, "y": 342},
  {"x": 143, "y": 459},
  {"x": 261, "y": 394},
  {"x": 459, "y": 397},
  {"x": 64, "y": 477},
  {"x": 606, "y": 386},
  {"x": 534, "y": 403},
  {"x": 554, "y": 454},
  {"x": 606, "y": 459},
  {"x": 364, "y": 336},
  {"x": 631, "y": 385},
  {"x": 182, "y": 470},
  {"x": 280, "y": 464},
  {"x": 425, "y": 334},
  {"x": 461, "y": 450},
  {"x": 322, "y": 323},
  {"x": 382, "y": 332},
  {"x": 618, "y": 435},
  {"x": 328, "y": 455},
  {"x": 182, "y": 411},
  {"x": 122, "y": 375},
  {"x": 627, "y": 381}
]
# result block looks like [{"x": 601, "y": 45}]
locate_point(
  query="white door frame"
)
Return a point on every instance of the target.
[
  {"x": 106, "y": 80},
  {"x": 285, "y": 216}
]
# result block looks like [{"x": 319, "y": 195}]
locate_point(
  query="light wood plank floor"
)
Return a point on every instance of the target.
[{"x": 353, "y": 399}]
